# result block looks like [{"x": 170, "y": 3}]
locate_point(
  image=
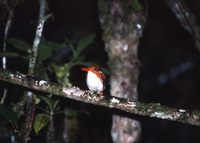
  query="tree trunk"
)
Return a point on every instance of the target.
[{"x": 122, "y": 22}]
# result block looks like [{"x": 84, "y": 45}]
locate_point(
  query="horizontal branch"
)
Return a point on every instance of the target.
[{"x": 146, "y": 109}]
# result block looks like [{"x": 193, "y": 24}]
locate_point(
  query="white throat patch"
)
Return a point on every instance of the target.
[{"x": 93, "y": 82}]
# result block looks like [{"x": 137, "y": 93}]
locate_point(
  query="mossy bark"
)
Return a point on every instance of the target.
[
  {"x": 122, "y": 22},
  {"x": 155, "y": 110}
]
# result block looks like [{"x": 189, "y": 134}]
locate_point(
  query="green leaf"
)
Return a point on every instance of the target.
[
  {"x": 41, "y": 72},
  {"x": 9, "y": 54},
  {"x": 84, "y": 63},
  {"x": 37, "y": 100},
  {"x": 83, "y": 43},
  {"x": 41, "y": 120},
  {"x": 9, "y": 114},
  {"x": 69, "y": 43},
  {"x": 62, "y": 73},
  {"x": 12, "y": 55},
  {"x": 19, "y": 44},
  {"x": 50, "y": 102},
  {"x": 47, "y": 100},
  {"x": 105, "y": 71},
  {"x": 55, "y": 102},
  {"x": 58, "y": 46},
  {"x": 46, "y": 49}
]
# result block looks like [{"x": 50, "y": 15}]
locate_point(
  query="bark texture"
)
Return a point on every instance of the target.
[
  {"x": 155, "y": 110},
  {"x": 122, "y": 22}
]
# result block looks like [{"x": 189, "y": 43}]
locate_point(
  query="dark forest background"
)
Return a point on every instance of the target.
[{"x": 169, "y": 67}]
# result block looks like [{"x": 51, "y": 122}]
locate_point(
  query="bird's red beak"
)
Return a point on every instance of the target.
[{"x": 85, "y": 69}]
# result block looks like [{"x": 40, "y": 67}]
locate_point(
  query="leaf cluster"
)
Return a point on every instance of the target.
[{"x": 22, "y": 49}]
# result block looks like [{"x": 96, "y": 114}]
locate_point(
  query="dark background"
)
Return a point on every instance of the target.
[{"x": 169, "y": 71}]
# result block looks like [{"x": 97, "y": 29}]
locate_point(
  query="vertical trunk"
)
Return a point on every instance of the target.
[{"x": 122, "y": 22}]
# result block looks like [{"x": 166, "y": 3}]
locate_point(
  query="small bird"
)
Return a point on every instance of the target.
[{"x": 95, "y": 79}]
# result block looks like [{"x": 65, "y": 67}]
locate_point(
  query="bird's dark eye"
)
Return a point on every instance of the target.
[{"x": 94, "y": 69}]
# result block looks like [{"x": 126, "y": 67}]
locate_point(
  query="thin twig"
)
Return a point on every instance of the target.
[
  {"x": 4, "y": 95},
  {"x": 194, "y": 32},
  {"x": 186, "y": 18},
  {"x": 8, "y": 24},
  {"x": 38, "y": 35},
  {"x": 145, "y": 109},
  {"x": 31, "y": 70},
  {"x": 182, "y": 9},
  {"x": 30, "y": 119}
]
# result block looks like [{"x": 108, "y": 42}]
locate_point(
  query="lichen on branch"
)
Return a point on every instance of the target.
[{"x": 145, "y": 109}]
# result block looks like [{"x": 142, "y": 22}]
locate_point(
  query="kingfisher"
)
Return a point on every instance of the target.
[{"x": 95, "y": 79}]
